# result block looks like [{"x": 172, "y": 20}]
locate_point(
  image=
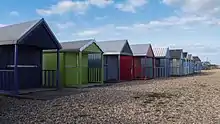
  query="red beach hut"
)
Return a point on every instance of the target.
[{"x": 143, "y": 61}]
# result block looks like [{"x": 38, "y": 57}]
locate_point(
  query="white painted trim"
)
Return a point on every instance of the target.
[
  {"x": 86, "y": 45},
  {"x": 24, "y": 66},
  {"x": 6, "y": 70},
  {"x": 140, "y": 54},
  {"x": 112, "y": 53}
]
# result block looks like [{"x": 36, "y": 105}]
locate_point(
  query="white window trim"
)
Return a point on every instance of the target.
[{"x": 23, "y": 66}]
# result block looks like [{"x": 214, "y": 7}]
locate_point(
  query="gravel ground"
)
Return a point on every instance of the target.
[{"x": 183, "y": 100}]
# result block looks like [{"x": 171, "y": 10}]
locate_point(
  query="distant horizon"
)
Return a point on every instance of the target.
[{"x": 191, "y": 25}]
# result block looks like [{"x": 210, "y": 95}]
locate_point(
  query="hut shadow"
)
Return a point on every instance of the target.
[{"x": 50, "y": 95}]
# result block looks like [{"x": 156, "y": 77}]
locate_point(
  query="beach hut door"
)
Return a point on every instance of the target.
[{"x": 71, "y": 69}]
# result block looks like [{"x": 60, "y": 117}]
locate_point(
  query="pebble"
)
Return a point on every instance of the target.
[{"x": 191, "y": 99}]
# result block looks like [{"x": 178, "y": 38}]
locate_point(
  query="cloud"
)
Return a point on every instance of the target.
[
  {"x": 109, "y": 29},
  {"x": 101, "y": 3},
  {"x": 123, "y": 27},
  {"x": 201, "y": 7},
  {"x": 65, "y": 6},
  {"x": 79, "y": 7},
  {"x": 2, "y": 25},
  {"x": 14, "y": 13},
  {"x": 101, "y": 17},
  {"x": 87, "y": 33},
  {"x": 65, "y": 25},
  {"x": 130, "y": 5},
  {"x": 198, "y": 49},
  {"x": 183, "y": 22}
]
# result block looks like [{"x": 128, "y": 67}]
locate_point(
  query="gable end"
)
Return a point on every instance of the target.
[
  {"x": 150, "y": 52},
  {"x": 126, "y": 50}
]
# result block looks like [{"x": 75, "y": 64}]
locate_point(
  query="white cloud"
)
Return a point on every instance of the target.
[
  {"x": 123, "y": 27},
  {"x": 101, "y": 17},
  {"x": 183, "y": 22},
  {"x": 199, "y": 49},
  {"x": 131, "y": 5},
  {"x": 78, "y": 7},
  {"x": 65, "y": 6},
  {"x": 14, "y": 13},
  {"x": 109, "y": 29},
  {"x": 87, "y": 33},
  {"x": 65, "y": 25},
  {"x": 101, "y": 3},
  {"x": 201, "y": 7},
  {"x": 175, "y": 20}
]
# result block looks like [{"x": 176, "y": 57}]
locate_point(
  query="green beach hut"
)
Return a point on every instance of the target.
[{"x": 74, "y": 67}]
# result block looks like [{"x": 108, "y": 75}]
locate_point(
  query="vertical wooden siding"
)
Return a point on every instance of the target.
[
  {"x": 176, "y": 66},
  {"x": 95, "y": 68},
  {"x": 139, "y": 70},
  {"x": 30, "y": 77},
  {"x": 126, "y": 64},
  {"x": 149, "y": 67},
  {"x": 111, "y": 68}
]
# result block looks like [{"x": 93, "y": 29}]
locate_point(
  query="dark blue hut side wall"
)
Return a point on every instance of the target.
[
  {"x": 111, "y": 68},
  {"x": 6, "y": 56},
  {"x": 30, "y": 77},
  {"x": 6, "y": 77},
  {"x": 29, "y": 65}
]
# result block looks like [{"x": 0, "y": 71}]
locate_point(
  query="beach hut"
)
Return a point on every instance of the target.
[
  {"x": 74, "y": 63},
  {"x": 176, "y": 63},
  {"x": 143, "y": 61},
  {"x": 197, "y": 64},
  {"x": 191, "y": 65},
  {"x": 21, "y": 54},
  {"x": 162, "y": 62},
  {"x": 118, "y": 60},
  {"x": 185, "y": 63}
]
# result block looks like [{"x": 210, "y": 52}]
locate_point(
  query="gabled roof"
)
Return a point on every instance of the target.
[
  {"x": 113, "y": 47},
  {"x": 189, "y": 56},
  {"x": 17, "y": 33},
  {"x": 196, "y": 58},
  {"x": 160, "y": 51},
  {"x": 176, "y": 53},
  {"x": 185, "y": 54},
  {"x": 140, "y": 49},
  {"x": 77, "y": 46}
]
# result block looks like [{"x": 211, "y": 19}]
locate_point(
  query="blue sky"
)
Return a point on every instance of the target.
[{"x": 193, "y": 25}]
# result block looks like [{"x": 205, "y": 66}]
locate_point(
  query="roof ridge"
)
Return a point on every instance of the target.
[
  {"x": 112, "y": 40},
  {"x": 23, "y": 22},
  {"x": 77, "y": 40}
]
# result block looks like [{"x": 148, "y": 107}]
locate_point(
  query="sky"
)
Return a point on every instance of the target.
[{"x": 193, "y": 25}]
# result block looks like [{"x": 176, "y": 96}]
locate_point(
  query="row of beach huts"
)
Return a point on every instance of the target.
[{"x": 32, "y": 58}]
